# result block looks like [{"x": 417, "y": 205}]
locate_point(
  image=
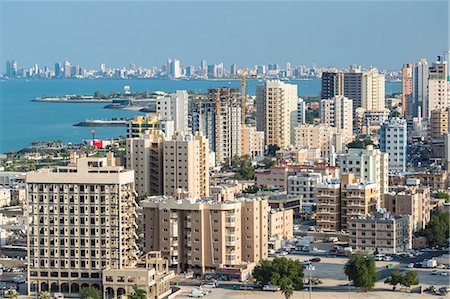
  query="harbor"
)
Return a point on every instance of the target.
[{"x": 114, "y": 122}]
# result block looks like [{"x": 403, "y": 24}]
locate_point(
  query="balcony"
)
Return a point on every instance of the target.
[{"x": 230, "y": 242}]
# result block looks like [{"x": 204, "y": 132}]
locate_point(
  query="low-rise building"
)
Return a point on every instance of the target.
[
  {"x": 281, "y": 224},
  {"x": 380, "y": 232},
  {"x": 304, "y": 184},
  {"x": 328, "y": 198}
]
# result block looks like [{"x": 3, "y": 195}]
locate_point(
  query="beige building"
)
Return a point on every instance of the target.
[
  {"x": 372, "y": 91},
  {"x": 281, "y": 224},
  {"x": 145, "y": 157},
  {"x": 253, "y": 143},
  {"x": 185, "y": 165},
  {"x": 338, "y": 112},
  {"x": 276, "y": 105},
  {"x": 138, "y": 126},
  {"x": 322, "y": 137},
  {"x": 82, "y": 221},
  {"x": 205, "y": 235},
  {"x": 438, "y": 87},
  {"x": 410, "y": 199},
  {"x": 380, "y": 232},
  {"x": 439, "y": 123},
  {"x": 407, "y": 89},
  {"x": 328, "y": 202}
]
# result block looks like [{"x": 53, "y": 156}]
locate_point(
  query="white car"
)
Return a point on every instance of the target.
[
  {"x": 443, "y": 273},
  {"x": 209, "y": 284},
  {"x": 388, "y": 258},
  {"x": 196, "y": 293},
  {"x": 411, "y": 265},
  {"x": 271, "y": 288},
  {"x": 434, "y": 272}
]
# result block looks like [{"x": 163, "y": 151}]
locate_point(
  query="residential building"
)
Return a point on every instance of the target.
[
  {"x": 338, "y": 112},
  {"x": 276, "y": 104},
  {"x": 328, "y": 212},
  {"x": 393, "y": 141},
  {"x": 82, "y": 222},
  {"x": 332, "y": 85},
  {"x": 185, "y": 165},
  {"x": 253, "y": 143},
  {"x": 407, "y": 89},
  {"x": 304, "y": 184},
  {"x": 174, "y": 107},
  {"x": 301, "y": 112},
  {"x": 438, "y": 87},
  {"x": 140, "y": 124},
  {"x": 324, "y": 137},
  {"x": 369, "y": 122},
  {"x": 368, "y": 164},
  {"x": 144, "y": 155},
  {"x": 380, "y": 232},
  {"x": 439, "y": 123},
  {"x": 281, "y": 224},
  {"x": 353, "y": 87},
  {"x": 205, "y": 235},
  {"x": 372, "y": 97},
  {"x": 420, "y": 89},
  {"x": 410, "y": 199}
]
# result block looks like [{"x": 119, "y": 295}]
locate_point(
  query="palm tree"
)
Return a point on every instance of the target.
[
  {"x": 45, "y": 295},
  {"x": 287, "y": 291},
  {"x": 11, "y": 293},
  {"x": 138, "y": 293}
]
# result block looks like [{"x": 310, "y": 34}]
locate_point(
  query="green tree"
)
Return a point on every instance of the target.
[
  {"x": 442, "y": 194},
  {"x": 395, "y": 278},
  {"x": 11, "y": 293},
  {"x": 242, "y": 166},
  {"x": 272, "y": 150},
  {"x": 267, "y": 162},
  {"x": 361, "y": 270},
  {"x": 280, "y": 271},
  {"x": 138, "y": 293},
  {"x": 45, "y": 295},
  {"x": 360, "y": 142},
  {"x": 437, "y": 230},
  {"x": 286, "y": 287},
  {"x": 409, "y": 279},
  {"x": 89, "y": 293},
  {"x": 394, "y": 113},
  {"x": 252, "y": 189}
]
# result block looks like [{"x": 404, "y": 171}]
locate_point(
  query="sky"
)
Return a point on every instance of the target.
[{"x": 336, "y": 33}]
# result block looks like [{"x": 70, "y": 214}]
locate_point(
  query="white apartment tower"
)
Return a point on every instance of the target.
[
  {"x": 174, "y": 107},
  {"x": 338, "y": 112},
  {"x": 393, "y": 141},
  {"x": 373, "y": 97},
  {"x": 276, "y": 105}
]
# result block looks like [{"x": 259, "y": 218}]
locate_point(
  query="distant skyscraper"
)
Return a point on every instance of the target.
[
  {"x": 173, "y": 68},
  {"x": 393, "y": 141},
  {"x": 102, "y": 68},
  {"x": 438, "y": 87},
  {"x": 233, "y": 70},
  {"x": 67, "y": 69},
  {"x": 204, "y": 67},
  {"x": 276, "y": 105},
  {"x": 332, "y": 85},
  {"x": 58, "y": 69},
  {"x": 420, "y": 89},
  {"x": 407, "y": 89},
  {"x": 213, "y": 71}
]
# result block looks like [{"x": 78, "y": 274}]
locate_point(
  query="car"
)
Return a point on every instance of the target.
[
  {"x": 210, "y": 284},
  {"x": 443, "y": 273},
  {"x": 306, "y": 263},
  {"x": 411, "y": 265},
  {"x": 434, "y": 272},
  {"x": 196, "y": 293},
  {"x": 388, "y": 258},
  {"x": 316, "y": 259},
  {"x": 246, "y": 287},
  {"x": 271, "y": 288}
]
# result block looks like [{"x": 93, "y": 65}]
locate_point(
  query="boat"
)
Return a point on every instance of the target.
[{"x": 115, "y": 122}]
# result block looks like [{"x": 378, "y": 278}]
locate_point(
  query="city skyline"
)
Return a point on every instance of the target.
[{"x": 116, "y": 28}]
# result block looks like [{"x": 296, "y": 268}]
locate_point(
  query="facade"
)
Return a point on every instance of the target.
[
  {"x": 407, "y": 89},
  {"x": 373, "y": 98},
  {"x": 439, "y": 123},
  {"x": 174, "y": 107},
  {"x": 204, "y": 121},
  {"x": 82, "y": 221},
  {"x": 185, "y": 165},
  {"x": 393, "y": 141},
  {"x": 276, "y": 104},
  {"x": 338, "y": 112},
  {"x": 281, "y": 224},
  {"x": 253, "y": 143},
  {"x": 369, "y": 122},
  {"x": 205, "y": 235},
  {"x": 380, "y": 232},
  {"x": 304, "y": 184},
  {"x": 332, "y": 85},
  {"x": 411, "y": 199},
  {"x": 353, "y": 87},
  {"x": 145, "y": 156},
  {"x": 369, "y": 165},
  {"x": 438, "y": 87},
  {"x": 301, "y": 112},
  {"x": 328, "y": 212},
  {"x": 323, "y": 137},
  {"x": 420, "y": 89}
]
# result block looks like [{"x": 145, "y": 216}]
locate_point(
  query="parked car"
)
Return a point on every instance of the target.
[
  {"x": 411, "y": 265},
  {"x": 388, "y": 258},
  {"x": 271, "y": 288},
  {"x": 246, "y": 287},
  {"x": 316, "y": 259},
  {"x": 443, "y": 273},
  {"x": 196, "y": 293},
  {"x": 434, "y": 272},
  {"x": 209, "y": 284}
]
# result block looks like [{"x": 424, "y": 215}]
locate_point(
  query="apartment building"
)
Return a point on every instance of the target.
[
  {"x": 323, "y": 137},
  {"x": 332, "y": 85},
  {"x": 368, "y": 164},
  {"x": 185, "y": 165},
  {"x": 82, "y": 222},
  {"x": 410, "y": 199},
  {"x": 439, "y": 123},
  {"x": 380, "y": 232},
  {"x": 328, "y": 199},
  {"x": 281, "y": 224},
  {"x": 205, "y": 235},
  {"x": 393, "y": 141},
  {"x": 304, "y": 184},
  {"x": 338, "y": 112},
  {"x": 276, "y": 104},
  {"x": 353, "y": 87},
  {"x": 145, "y": 156},
  {"x": 407, "y": 88},
  {"x": 438, "y": 87},
  {"x": 253, "y": 143},
  {"x": 373, "y": 91},
  {"x": 174, "y": 107}
]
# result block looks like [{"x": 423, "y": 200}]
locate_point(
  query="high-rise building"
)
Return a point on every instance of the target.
[
  {"x": 438, "y": 87},
  {"x": 173, "y": 68},
  {"x": 420, "y": 89},
  {"x": 393, "y": 140},
  {"x": 145, "y": 157},
  {"x": 67, "y": 69},
  {"x": 322, "y": 137},
  {"x": 185, "y": 165},
  {"x": 439, "y": 123},
  {"x": 332, "y": 85},
  {"x": 138, "y": 126},
  {"x": 82, "y": 222},
  {"x": 328, "y": 203},
  {"x": 301, "y": 112},
  {"x": 338, "y": 112},
  {"x": 233, "y": 70},
  {"x": 373, "y": 94},
  {"x": 353, "y": 87},
  {"x": 213, "y": 71},
  {"x": 407, "y": 89},
  {"x": 204, "y": 120},
  {"x": 203, "y": 235},
  {"x": 174, "y": 107},
  {"x": 276, "y": 104},
  {"x": 368, "y": 164},
  {"x": 204, "y": 67}
]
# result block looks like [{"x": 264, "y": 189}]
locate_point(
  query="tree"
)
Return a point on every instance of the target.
[
  {"x": 361, "y": 270},
  {"x": 286, "y": 287},
  {"x": 394, "y": 113},
  {"x": 242, "y": 166},
  {"x": 280, "y": 271},
  {"x": 267, "y": 162},
  {"x": 272, "y": 150},
  {"x": 442, "y": 194},
  {"x": 11, "y": 293},
  {"x": 251, "y": 189},
  {"x": 90, "y": 293},
  {"x": 394, "y": 279},
  {"x": 437, "y": 230},
  {"x": 409, "y": 279},
  {"x": 138, "y": 293},
  {"x": 45, "y": 295},
  {"x": 360, "y": 142}
]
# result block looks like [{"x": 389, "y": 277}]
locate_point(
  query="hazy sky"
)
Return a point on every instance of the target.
[{"x": 384, "y": 34}]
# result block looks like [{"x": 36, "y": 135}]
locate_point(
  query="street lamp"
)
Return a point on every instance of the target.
[{"x": 310, "y": 268}]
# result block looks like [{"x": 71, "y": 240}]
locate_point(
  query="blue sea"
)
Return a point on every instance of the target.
[{"x": 23, "y": 121}]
